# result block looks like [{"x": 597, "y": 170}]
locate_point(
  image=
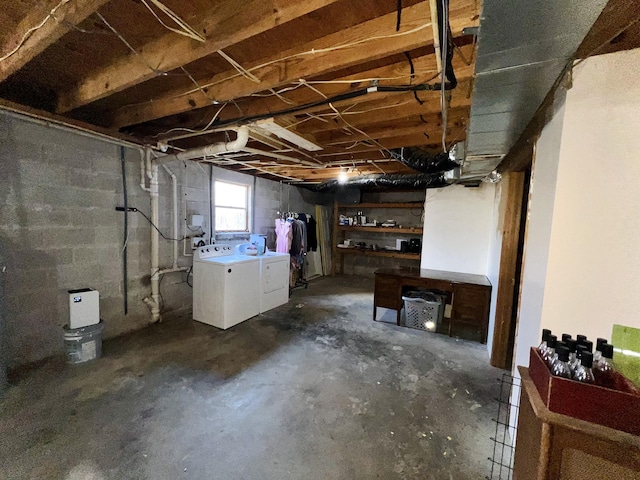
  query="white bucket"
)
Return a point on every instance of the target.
[{"x": 83, "y": 344}]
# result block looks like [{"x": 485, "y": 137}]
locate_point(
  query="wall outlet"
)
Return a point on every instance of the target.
[{"x": 197, "y": 242}]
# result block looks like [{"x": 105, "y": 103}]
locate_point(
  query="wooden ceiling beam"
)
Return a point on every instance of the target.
[
  {"x": 394, "y": 74},
  {"x": 386, "y": 111},
  {"x": 416, "y": 139},
  {"x": 344, "y": 139},
  {"x": 227, "y": 23},
  {"x": 57, "y": 22},
  {"x": 369, "y": 40}
]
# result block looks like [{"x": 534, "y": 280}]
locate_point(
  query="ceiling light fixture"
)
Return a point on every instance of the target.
[
  {"x": 289, "y": 135},
  {"x": 343, "y": 176}
]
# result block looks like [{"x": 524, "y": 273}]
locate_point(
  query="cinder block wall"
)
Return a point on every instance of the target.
[{"x": 59, "y": 230}]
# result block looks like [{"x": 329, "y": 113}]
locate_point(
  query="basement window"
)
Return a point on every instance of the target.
[{"x": 231, "y": 201}]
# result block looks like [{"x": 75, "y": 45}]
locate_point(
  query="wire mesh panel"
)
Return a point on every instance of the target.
[{"x": 505, "y": 433}]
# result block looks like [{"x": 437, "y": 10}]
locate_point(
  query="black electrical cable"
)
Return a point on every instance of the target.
[
  {"x": 413, "y": 70},
  {"x": 157, "y": 229},
  {"x": 399, "y": 17},
  {"x": 445, "y": 35},
  {"x": 125, "y": 279},
  {"x": 188, "y": 274},
  {"x": 326, "y": 101}
]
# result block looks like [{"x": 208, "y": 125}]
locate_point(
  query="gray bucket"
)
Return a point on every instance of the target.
[{"x": 83, "y": 344}]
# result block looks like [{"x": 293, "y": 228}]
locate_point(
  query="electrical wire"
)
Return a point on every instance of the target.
[
  {"x": 157, "y": 229},
  {"x": 239, "y": 68},
  {"x": 184, "y": 30},
  {"x": 29, "y": 32},
  {"x": 314, "y": 51},
  {"x": 128, "y": 45},
  {"x": 190, "y": 130}
]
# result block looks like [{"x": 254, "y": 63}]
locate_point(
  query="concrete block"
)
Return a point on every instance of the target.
[
  {"x": 77, "y": 276},
  {"x": 26, "y": 281},
  {"x": 93, "y": 254},
  {"x": 39, "y": 173},
  {"x": 6, "y": 127},
  {"x": 69, "y": 237},
  {"x": 45, "y": 216},
  {"x": 85, "y": 178}
]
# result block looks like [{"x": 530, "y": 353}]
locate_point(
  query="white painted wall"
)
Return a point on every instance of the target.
[
  {"x": 593, "y": 278},
  {"x": 538, "y": 234},
  {"x": 457, "y": 228},
  {"x": 582, "y": 264}
]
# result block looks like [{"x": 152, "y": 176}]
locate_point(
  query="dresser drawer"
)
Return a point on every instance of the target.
[{"x": 387, "y": 292}]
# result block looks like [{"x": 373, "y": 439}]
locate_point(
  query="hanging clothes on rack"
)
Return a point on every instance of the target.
[
  {"x": 312, "y": 243},
  {"x": 297, "y": 250},
  {"x": 283, "y": 235}
]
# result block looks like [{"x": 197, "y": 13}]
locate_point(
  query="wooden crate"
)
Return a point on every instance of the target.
[{"x": 617, "y": 408}]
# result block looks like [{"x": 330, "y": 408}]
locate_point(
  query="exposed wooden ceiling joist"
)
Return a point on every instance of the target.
[
  {"x": 305, "y": 94},
  {"x": 367, "y": 41},
  {"x": 40, "y": 28},
  {"x": 307, "y": 63},
  {"x": 226, "y": 23}
]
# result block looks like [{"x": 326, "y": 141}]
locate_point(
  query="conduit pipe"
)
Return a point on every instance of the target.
[
  {"x": 144, "y": 154},
  {"x": 174, "y": 188},
  {"x": 433, "y": 7},
  {"x": 154, "y": 302}
]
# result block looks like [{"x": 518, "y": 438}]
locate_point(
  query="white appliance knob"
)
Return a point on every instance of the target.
[{"x": 217, "y": 248}]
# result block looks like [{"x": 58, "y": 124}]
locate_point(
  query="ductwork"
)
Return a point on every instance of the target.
[
  {"x": 414, "y": 181},
  {"x": 424, "y": 162}
]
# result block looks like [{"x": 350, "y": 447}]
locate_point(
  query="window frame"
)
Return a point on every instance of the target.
[{"x": 246, "y": 209}]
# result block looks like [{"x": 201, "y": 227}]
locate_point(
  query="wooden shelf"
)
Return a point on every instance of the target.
[
  {"x": 339, "y": 233},
  {"x": 416, "y": 230},
  {"x": 378, "y": 253},
  {"x": 356, "y": 206}
]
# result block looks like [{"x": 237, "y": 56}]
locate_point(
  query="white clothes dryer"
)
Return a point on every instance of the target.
[
  {"x": 274, "y": 280},
  {"x": 274, "y": 277},
  {"x": 226, "y": 286}
]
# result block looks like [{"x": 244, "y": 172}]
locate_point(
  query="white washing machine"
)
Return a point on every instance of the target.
[
  {"x": 274, "y": 277},
  {"x": 226, "y": 286}
]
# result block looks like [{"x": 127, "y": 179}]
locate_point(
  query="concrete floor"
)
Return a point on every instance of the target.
[{"x": 311, "y": 390}]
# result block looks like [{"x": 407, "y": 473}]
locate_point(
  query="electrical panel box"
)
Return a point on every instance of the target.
[{"x": 84, "y": 307}]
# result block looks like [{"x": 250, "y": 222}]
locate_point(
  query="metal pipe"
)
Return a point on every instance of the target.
[
  {"x": 174, "y": 186},
  {"x": 433, "y": 7},
  {"x": 125, "y": 280}
]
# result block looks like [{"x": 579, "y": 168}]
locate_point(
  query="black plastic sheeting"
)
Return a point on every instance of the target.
[
  {"x": 424, "y": 162},
  {"x": 414, "y": 181}
]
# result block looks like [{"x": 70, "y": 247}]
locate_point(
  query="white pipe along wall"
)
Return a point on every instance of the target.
[{"x": 152, "y": 173}]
